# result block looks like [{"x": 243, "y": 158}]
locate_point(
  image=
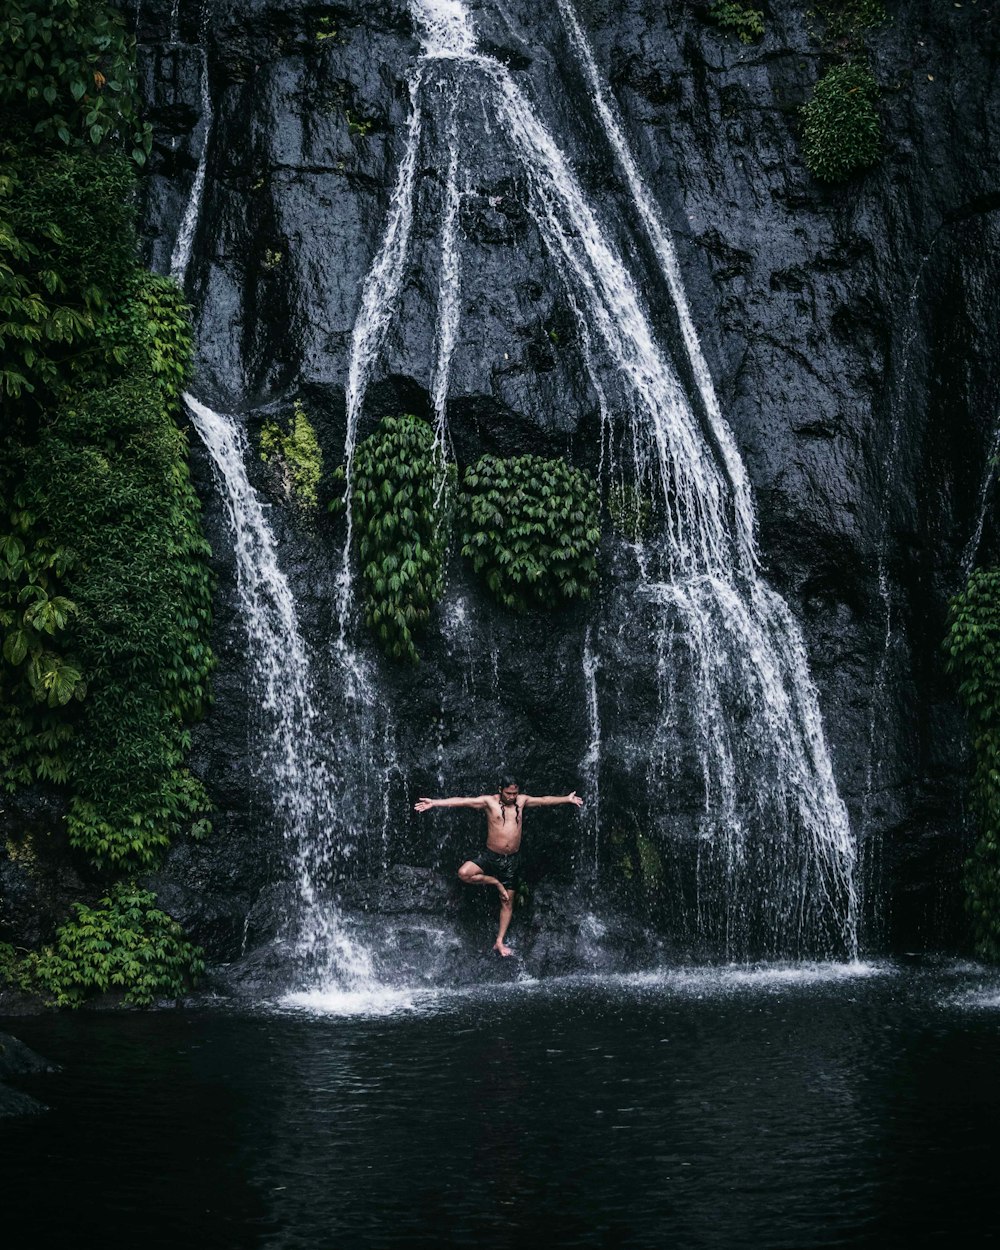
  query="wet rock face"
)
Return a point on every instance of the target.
[{"x": 851, "y": 333}]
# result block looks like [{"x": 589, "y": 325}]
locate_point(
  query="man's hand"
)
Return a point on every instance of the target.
[
  {"x": 574, "y": 798},
  {"x": 423, "y": 805}
]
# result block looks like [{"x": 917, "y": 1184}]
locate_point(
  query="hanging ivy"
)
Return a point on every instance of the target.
[
  {"x": 531, "y": 528},
  {"x": 401, "y": 501},
  {"x": 973, "y": 648}
]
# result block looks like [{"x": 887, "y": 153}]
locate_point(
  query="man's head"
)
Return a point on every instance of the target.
[{"x": 508, "y": 791}]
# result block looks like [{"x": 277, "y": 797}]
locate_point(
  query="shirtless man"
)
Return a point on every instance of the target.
[{"x": 498, "y": 864}]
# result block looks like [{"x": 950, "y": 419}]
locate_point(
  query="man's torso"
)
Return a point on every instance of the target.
[{"x": 503, "y": 825}]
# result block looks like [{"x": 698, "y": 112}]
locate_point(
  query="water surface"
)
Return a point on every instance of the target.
[{"x": 850, "y": 1105}]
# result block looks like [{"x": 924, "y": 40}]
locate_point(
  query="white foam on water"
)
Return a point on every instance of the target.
[
  {"x": 685, "y": 982},
  {"x": 374, "y": 1001}
]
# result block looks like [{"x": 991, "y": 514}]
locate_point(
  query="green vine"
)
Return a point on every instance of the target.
[
  {"x": 973, "y": 655},
  {"x": 401, "y": 501},
  {"x": 531, "y": 528},
  {"x": 298, "y": 456}
]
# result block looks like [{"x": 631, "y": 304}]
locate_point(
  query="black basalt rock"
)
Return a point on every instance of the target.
[{"x": 851, "y": 332}]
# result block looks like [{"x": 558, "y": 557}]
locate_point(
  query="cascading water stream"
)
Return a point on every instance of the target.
[
  {"x": 783, "y": 856},
  {"x": 378, "y": 302},
  {"x": 449, "y": 288},
  {"x": 321, "y": 815},
  {"x": 293, "y": 755},
  {"x": 590, "y": 767}
]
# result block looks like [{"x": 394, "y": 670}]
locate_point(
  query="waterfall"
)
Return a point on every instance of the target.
[
  {"x": 772, "y": 846},
  {"x": 449, "y": 287},
  {"x": 378, "y": 303},
  {"x": 324, "y": 815},
  {"x": 667, "y": 256},
  {"x": 591, "y": 763},
  {"x": 180, "y": 257},
  {"x": 293, "y": 753}
]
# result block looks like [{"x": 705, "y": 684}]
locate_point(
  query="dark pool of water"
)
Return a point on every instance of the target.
[{"x": 786, "y": 1108}]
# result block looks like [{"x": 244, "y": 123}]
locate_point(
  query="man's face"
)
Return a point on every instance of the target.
[{"x": 509, "y": 795}]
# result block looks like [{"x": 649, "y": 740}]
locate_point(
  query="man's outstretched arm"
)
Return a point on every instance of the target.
[
  {"x": 552, "y": 800},
  {"x": 424, "y": 805}
]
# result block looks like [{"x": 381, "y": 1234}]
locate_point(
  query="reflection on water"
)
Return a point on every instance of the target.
[{"x": 811, "y": 1105}]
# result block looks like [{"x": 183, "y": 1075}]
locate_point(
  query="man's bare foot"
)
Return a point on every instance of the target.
[{"x": 501, "y": 949}]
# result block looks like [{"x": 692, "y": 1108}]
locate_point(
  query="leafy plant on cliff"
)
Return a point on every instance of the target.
[
  {"x": 67, "y": 255},
  {"x": 124, "y": 943},
  {"x": 973, "y": 650},
  {"x": 105, "y": 590},
  {"x": 68, "y": 74},
  {"x": 531, "y": 528},
  {"x": 401, "y": 501},
  {"x": 297, "y": 455},
  {"x": 747, "y": 22},
  {"x": 841, "y": 129}
]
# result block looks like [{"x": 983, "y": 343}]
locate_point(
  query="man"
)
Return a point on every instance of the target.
[{"x": 498, "y": 864}]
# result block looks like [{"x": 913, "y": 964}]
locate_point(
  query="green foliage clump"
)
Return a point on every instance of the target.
[
  {"x": 746, "y": 21},
  {"x": 973, "y": 655},
  {"x": 32, "y": 613},
  {"x": 630, "y": 511},
  {"x": 841, "y": 131},
  {"x": 109, "y": 480},
  {"x": 67, "y": 251},
  {"x": 360, "y": 126},
  {"x": 105, "y": 593},
  {"x": 401, "y": 502},
  {"x": 124, "y": 943},
  {"x": 68, "y": 74},
  {"x": 105, "y": 589},
  {"x": 531, "y": 527},
  {"x": 846, "y": 19},
  {"x": 298, "y": 455}
]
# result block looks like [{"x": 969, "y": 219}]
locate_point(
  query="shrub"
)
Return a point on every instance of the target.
[
  {"x": 531, "y": 528},
  {"x": 841, "y": 132},
  {"x": 401, "y": 501},
  {"x": 123, "y": 943},
  {"x": 973, "y": 649}
]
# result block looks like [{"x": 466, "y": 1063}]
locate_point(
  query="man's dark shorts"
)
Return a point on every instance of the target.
[{"x": 506, "y": 868}]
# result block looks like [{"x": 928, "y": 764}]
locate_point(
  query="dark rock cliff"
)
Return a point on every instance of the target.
[{"x": 851, "y": 333}]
